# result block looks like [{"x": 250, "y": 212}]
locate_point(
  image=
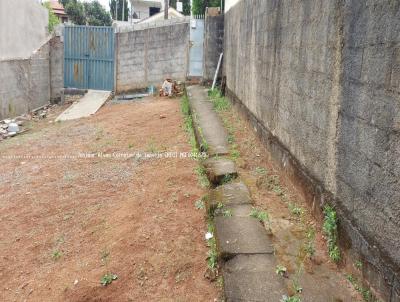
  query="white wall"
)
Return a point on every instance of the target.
[{"x": 23, "y": 28}]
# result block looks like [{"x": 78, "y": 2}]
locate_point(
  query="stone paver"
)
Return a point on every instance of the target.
[
  {"x": 212, "y": 129},
  {"x": 252, "y": 278},
  {"x": 219, "y": 168},
  {"x": 241, "y": 235},
  {"x": 86, "y": 106},
  {"x": 234, "y": 193}
]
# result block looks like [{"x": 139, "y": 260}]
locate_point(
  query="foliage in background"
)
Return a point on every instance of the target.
[
  {"x": 199, "y": 6},
  {"x": 76, "y": 12},
  {"x": 53, "y": 20},
  {"x": 86, "y": 13},
  {"x": 186, "y": 6},
  {"x": 120, "y": 6},
  {"x": 96, "y": 14}
]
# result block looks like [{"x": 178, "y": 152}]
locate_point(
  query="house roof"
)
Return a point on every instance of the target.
[
  {"x": 57, "y": 7},
  {"x": 172, "y": 14}
]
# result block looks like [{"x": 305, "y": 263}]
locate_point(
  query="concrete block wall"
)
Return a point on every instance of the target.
[
  {"x": 26, "y": 84},
  {"x": 322, "y": 80},
  {"x": 213, "y": 45},
  {"x": 56, "y": 68},
  {"x": 148, "y": 56}
]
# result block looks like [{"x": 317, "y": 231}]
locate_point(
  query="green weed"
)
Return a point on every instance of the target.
[
  {"x": 56, "y": 255},
  {"x": 295, "y": 209},
  {"x": 261, "y": 171},
  {"x": 108, "y": 279},
  {"x": 290, "y": 299},
  {"x": 367, "y": 295},
  {"x": 199, "y": 204},
  {"x": 330, "y": 230},
  {"x": 281, "y": 270},
  {"x": 220, "y": 102}
]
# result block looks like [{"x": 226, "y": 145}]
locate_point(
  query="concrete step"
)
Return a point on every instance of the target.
[
  {"x": 252, "y": 278},
  {"x": 241, "y": 235},
  {"x": 219, "y": 169},
  {"x": 208, "y": 126},
  {"x": 234, "y": 193}
]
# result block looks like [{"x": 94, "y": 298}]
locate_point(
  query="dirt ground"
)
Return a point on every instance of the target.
[{"x": 66, "y": 222}]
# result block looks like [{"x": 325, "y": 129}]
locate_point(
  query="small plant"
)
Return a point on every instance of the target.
[
  {"x": 290, "y": 299},
  {"x": 108, "y": 279},
  {"x": 261, "y": 171},
  {"x": 151, "y": 146},
  {"x": 358, "y": 265},
  {"x": 199, "y": 204},
  {"x": 56, "y": 255},
  {"x": 295, "y": 209},
  {"x": 227, "y": 178},
  {"x": 281, "y": 270},
  {"x": 330, "y": 230},
  {"x": 260, "y": 215},
  {"x": 235, "y": 154},
  {"x": 130, "y": 146},
  {"x": 227, "y": 213},
  {"x": 365, "y": 293},
  {"x": 309, "y": 246}
]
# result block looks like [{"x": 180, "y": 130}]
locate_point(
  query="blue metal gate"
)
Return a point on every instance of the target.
[{"x": 89, "y": 57}]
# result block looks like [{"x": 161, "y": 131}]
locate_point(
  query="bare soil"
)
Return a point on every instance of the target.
[{"x": 66, "y": 222}]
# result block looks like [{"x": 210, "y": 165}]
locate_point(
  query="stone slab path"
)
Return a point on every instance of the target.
[
  {"x": 86, "y": 106},
  {"x": 212, "y": 130},
  {"x": 245, "y": 250}
]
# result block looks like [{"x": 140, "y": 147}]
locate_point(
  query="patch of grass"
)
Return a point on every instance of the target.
[
  {"x": 262, "y": 216},
  {"x": 219, "y": 101},
  {"x": 235, "y": 153},
  {"x": 212, "y": 255},
  {"x": 202, "y": 176},
  {"x": 108, "y": 279},
  {"x": 56, "y": 255},
  {"x": 330, "y": 230},
  {"x": 367, "y": 295},
  {"x": 130, "y": 146}
]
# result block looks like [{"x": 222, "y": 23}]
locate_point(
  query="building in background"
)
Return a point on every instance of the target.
[
  {"x": 142, "y": 9},
  {"x": 58, "y": 10}
]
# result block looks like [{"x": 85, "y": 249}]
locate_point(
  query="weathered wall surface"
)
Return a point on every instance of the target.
[
  {"x": 322, "y": 79},
  {"x": 213, "y": 44},
  {"x": 148, "y": 56},
  {"x": 26, "y": 84},
  {"x": 23, "y": 28},
  {"x": 56, "y": 68}
]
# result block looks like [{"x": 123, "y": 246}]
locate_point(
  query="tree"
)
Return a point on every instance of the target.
[
  {"x": 96, "y": 14},
  {"x": 76, "y": 12},
  {"x": 186, "y": 6},
  {"x": 199, "y": 6},
  {"x": 120, "y": 5},
  {"x": 53, "y": 19}
]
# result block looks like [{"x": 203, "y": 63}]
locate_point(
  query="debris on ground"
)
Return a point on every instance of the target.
[
  {"x": 12, "y": 127},
  {"x": 171, "y": 88}
]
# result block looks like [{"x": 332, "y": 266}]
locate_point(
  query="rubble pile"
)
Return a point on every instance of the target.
[
  {"x": 12, "y": 127},
  {"x": 171, "y": 88}
]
